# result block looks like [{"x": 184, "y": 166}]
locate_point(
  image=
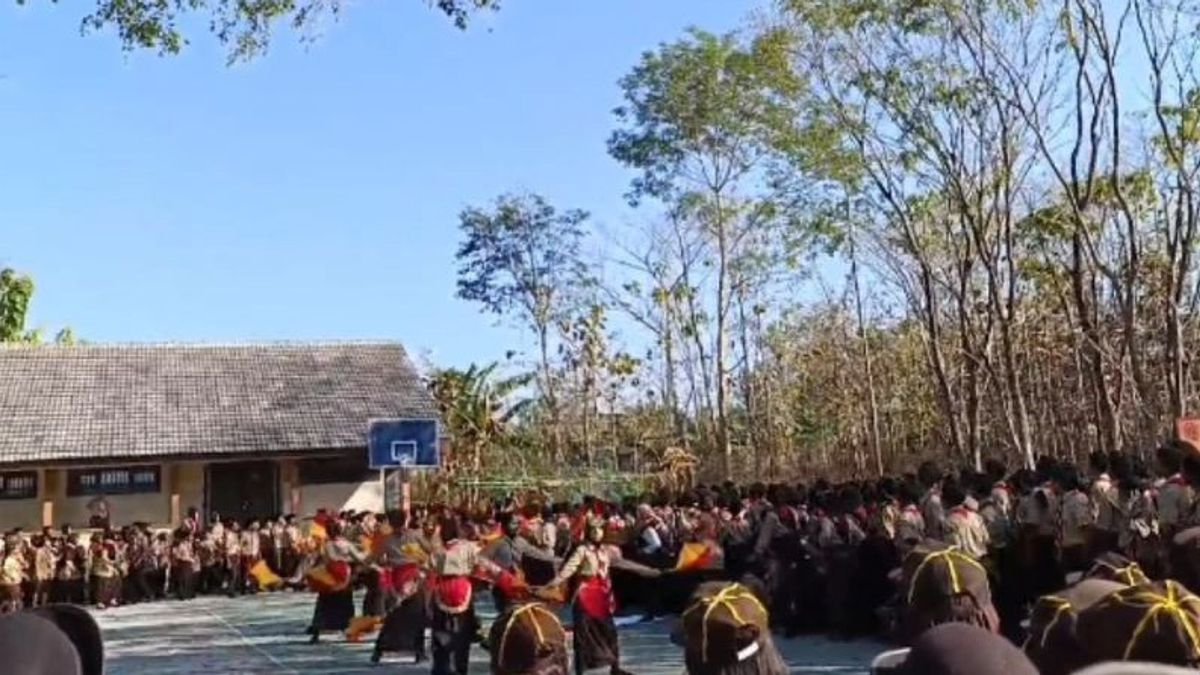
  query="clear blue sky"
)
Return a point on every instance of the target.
[{"x": 311, "y": 194}]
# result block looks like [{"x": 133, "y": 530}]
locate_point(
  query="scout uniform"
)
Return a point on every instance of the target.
[
  {"x": 1075, "y": 526},
  {"x": 933, "y": 514},
  {"x": 595, "y": 632},
  {"x": 454, "y": 623},
  {"x": 1106, "y": 512},
  {"x": 965, "y": 529},
  {"x": 12, "y": 571}
]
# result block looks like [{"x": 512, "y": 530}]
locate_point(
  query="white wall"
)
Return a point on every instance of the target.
[
  {"x": 23, "y": 513},
  {"x": 124, "y": 509},
  {"x": 335, "y": 497}
]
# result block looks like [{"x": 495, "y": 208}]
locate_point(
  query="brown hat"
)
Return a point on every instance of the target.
[
  {"x": 960, "y": 649},
  {"x": 727, "y": 624},
  {"x": 1159, "y": 621},
  {"x": 942, "y": 584},
  {"x": 1116, "y": 567},
  {"x": 1052, "y": 644},
  {"x": 526, "y": 637}
]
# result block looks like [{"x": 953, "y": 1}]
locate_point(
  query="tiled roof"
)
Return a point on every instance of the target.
[{"x": 101, "y": 402}]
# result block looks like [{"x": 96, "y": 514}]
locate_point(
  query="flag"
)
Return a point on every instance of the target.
[
  {"x": 415, "y": 552},
  {"x": 695, "y": 556},
  {"x": 264, "y": 577},
  {"x": 328, "y": 578},
  {"x": 361, "y": 626}
]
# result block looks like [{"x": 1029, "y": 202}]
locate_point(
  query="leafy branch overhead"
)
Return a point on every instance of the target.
[{"x": 244, "y": 26}]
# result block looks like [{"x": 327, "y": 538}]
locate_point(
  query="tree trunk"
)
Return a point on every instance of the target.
[{"x": 872, "y": 401}]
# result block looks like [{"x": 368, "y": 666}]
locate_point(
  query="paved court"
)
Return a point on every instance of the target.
[{"x": 264, "y": 634}]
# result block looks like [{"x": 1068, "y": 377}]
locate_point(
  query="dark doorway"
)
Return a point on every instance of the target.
[{"x": 243, "y": 490}]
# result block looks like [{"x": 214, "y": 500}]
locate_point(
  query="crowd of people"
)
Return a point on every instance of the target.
[
  {"x": 136, "y": 563},
  {"x": 896, "y": 556}
]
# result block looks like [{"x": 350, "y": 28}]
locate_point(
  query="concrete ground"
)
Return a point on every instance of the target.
[{"x": 264, "y": 634}]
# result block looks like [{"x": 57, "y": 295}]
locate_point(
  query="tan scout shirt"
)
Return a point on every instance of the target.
[
  {"x": 588, "y": 561},
  {"x": 1077, "y": 517},
  {"x": 1174, "y": 503},
  {"x": 910, "y": 525},
  {"x": 966, "y": 530},
  {"x": 1104, "y": 498}
]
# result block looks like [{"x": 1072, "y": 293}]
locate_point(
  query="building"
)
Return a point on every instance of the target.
[{"x": 240, "y": 430}]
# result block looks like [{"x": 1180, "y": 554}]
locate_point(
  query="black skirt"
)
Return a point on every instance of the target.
[
  {"x": 403, "y": 629},
  {"x": 106, "y": 590},
  {"x": 595, "y": 640},
  {"x": 333, "y": 611},
  {"x": 69, "y": 591}
]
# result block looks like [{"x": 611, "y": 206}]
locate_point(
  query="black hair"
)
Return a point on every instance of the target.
[
  {"x": 757, "y": 491},
  {"x": 929, "y": 474},
  {"x": 1170, "y": 456},
  {"x": 953, "y": 493}
]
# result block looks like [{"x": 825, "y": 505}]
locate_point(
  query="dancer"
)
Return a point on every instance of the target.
[
  {"x": 595, "y": 633},
  {"x": 454, "y": 622},
  {"x": 335, "y": 595}
]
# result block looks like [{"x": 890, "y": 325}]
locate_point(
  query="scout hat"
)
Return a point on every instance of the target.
[
  {"x": 53, "y": 640},
  {"x": 959, "y": 649},
  {"x": 1158, "y": 622},
  {"x": 941, "y": 584},
  {"x": 1052, "y": 644},
  {"x": 1116, "y": 567},
  {"x": 726, "y": 627},
  {"x": 527, "y": 638}
]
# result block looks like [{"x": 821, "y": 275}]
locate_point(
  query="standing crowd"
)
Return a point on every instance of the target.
[{"x": 1016, "y": 553}]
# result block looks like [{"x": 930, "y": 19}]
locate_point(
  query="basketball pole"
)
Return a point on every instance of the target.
[{"x": 405, "y": 490}]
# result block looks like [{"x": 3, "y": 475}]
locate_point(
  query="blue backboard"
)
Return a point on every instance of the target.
[{"x": 403, "y": 443}]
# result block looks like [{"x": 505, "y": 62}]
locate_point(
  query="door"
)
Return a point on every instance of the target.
[{"x": 243, "y": 490}]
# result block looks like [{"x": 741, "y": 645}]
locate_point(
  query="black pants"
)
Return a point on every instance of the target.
[
  {"x": 452, "y": 638},
  {"x": 183, "y": 582}
]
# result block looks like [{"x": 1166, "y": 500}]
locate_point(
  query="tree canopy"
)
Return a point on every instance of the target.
[{"x": 245, "y": 27}]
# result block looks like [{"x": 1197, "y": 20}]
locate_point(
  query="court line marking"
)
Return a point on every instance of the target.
[{"x": 246, "y": 641}]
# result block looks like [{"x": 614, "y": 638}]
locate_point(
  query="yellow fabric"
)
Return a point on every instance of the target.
[
  {"x": 263, "y": 576},
  {"x": 693, "y": 554},
  {"x": 415, "y": 552},
  {"x": 321, "y": 580},
  {"x": 724, "y": 599},
  {"x": 362, "y": 625},
  {"x": 317, "y": 532}
]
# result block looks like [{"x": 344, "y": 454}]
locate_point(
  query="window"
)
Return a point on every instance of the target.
[
  {"x": 122, "y": 480},
  {"x": 18, "y": 485},
  {"x": 351, "y": 468}
]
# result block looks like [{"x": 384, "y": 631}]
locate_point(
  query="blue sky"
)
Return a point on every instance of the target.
[{"x": 313, "y": 193}]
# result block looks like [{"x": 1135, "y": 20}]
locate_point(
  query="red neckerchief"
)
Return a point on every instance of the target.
[
  {"x": 1002, "y": 486},
  {"x": 911, "y": 508},
  {"x": 1177, "y": 479}
]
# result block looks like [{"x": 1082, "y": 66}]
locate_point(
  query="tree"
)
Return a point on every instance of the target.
[
  {"x": 16, "y": 290},
  {"x": 700, "y": 121},
  {"x": 520, "y": 259},
  {"x": 244, "y": 26},
  {"x": 477, "y": 409}
]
